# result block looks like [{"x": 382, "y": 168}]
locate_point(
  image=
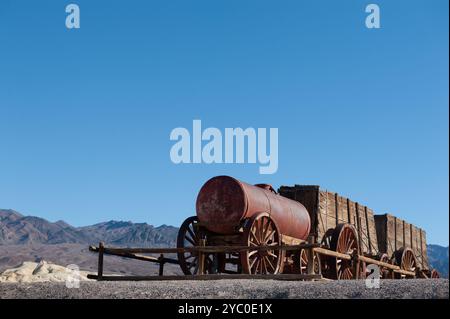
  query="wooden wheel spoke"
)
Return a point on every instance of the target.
[
  {"x": 253, "y": 262},
  {"x": 196, "y": 268},
  {"x": 270, "y": 263},
  {"x": 350, "y": 246},
  {"x": 269, "y": 235},
  {"x": 349, "y": 274},
  {"x": 261, "y": 230},
  {"x": 193, "y": 236},
  {"x": 255, "y": 237},
  {"x": 258, "y": 262},
  {"x": 190, "y": 240},
  {"x": 261, "y": 266},
  {"x": 193, "y": 263}
]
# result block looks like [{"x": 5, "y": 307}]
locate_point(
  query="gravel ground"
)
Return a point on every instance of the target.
[{"x": 419, "y": 288}]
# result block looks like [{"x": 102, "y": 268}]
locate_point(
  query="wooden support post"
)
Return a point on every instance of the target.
[
  {"x": 161, "y": 264},
  {"x": 201, "y": 258},
  {"x": 358, "y": 221},
  {"x": 310, "y": 254},
  {"x": 101, "y": 248},
  {"x": 369, "y": 239},
  {"x": 356, "y": 264}
]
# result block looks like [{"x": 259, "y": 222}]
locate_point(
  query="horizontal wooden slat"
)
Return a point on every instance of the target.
[
  {"x": 206, "y": 249},
  {"x": 209, "y": 277},
  {"x": 377, "y": 262},
  {"x": 332, "y": 253}
]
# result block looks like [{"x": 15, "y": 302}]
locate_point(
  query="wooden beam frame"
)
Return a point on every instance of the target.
[{"x": 210, "y": 277}]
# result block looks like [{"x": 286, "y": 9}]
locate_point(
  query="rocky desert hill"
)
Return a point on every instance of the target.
[
  {"x": 30, "y": 238},
  {"x": 41, "y": 272},
  {"x": 16, "y": 229}
]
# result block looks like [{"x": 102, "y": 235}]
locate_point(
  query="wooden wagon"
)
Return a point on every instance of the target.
[
  {"x": 396, "y": 246},
  {"x": 259, "y": 232}
]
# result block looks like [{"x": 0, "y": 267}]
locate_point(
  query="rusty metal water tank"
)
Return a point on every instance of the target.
[{"x": 223, "y": 202}]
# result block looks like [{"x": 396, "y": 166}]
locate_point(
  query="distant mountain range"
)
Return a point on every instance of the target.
[
  {"x": 18, "y": 230},
  {"x": 438, "y": 258}
]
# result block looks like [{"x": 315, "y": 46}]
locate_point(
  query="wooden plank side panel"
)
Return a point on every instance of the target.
[
  {"x": 322, "y": 222},
  {"x": 342, "y": 210},
  {"x": 362, "y": 229},
  {"x": 416, "y": 245},
  {"x": 331, "y": 210},
  {"x": 307, "y": 196},
  {"x": 423, "y": 239},
  {"x": 351, "y": 207},
  {"x": 407, "y": 234},
  {"x": 372, "y": 232},
  {"x": 385, "y": 229},
  {"x": 381, "y": 229},
  {"x": 398, "y": 233},
  {"x": 391, "y": 242},
  {"x": 326, "y": 216}
]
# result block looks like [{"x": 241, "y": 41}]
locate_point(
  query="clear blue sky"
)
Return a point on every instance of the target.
[{"x": 86, "y": 114}]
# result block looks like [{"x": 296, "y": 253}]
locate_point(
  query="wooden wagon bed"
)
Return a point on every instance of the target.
[
  {"x": 395, "y": 233},
  {"x": 378, "y": 234}
]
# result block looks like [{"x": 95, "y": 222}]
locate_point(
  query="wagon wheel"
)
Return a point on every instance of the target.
[
  {"x": 435, "y": 274},
  {"x": 324, "y": 260},
  {"x": 386, "y": 273},
  {"x": 406, "y": 259},
  {"x": 302, "y": 262},
  {"x": 261, "y": 230},
  {"x": 327, "y": 237},
  {"x": 189, "y": 236},
  {"x": 345, "y": 241}
]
